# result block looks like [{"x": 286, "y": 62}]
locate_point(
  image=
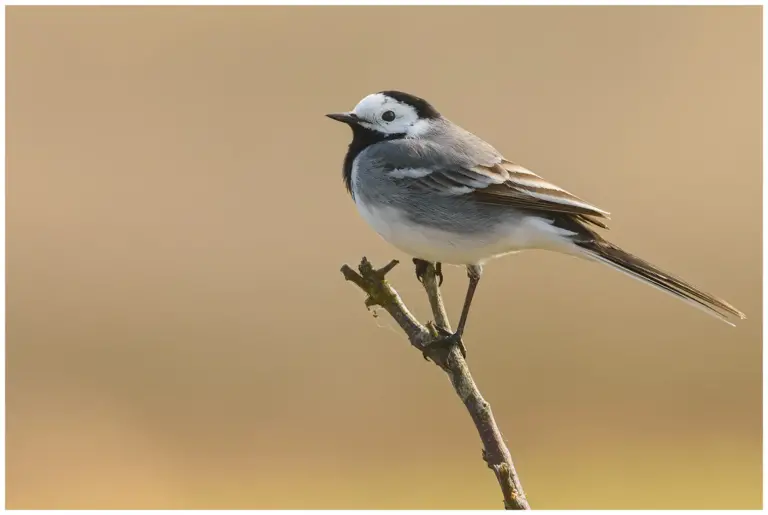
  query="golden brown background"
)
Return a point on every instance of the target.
[{"x": 179, "y": 335}]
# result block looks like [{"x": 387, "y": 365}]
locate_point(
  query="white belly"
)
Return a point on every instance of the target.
[{"x": 433, "y": 244}]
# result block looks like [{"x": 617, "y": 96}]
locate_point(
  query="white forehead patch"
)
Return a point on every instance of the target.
[
  {"x": 374, "y": 104},
  {"x": 406, "y": 119}
]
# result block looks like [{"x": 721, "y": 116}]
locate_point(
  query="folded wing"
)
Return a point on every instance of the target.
[{"x": 504, "y": 183}]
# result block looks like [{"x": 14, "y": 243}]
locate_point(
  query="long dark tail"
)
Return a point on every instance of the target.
[{"x": 608, "y": 253}]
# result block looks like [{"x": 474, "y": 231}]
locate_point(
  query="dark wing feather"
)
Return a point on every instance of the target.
[
  {"x": 506, "y": 184},
  {"x": 526, "y": 190}
]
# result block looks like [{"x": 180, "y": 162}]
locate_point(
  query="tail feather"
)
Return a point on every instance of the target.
[{"x": 605, "y": 252}]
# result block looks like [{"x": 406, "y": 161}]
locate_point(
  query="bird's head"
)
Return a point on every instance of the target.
[{"x": 391, "y": 113}]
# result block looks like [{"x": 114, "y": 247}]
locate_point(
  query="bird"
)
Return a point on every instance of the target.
[{"x": 441, "y": 194}]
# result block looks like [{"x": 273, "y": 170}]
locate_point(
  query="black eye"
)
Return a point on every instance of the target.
[{"x": 388, "y": 116}]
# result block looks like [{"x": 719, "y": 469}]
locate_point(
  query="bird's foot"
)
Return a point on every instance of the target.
[
  {"x": 446, "y": 340},
  {"x": 421, "y": 269}
]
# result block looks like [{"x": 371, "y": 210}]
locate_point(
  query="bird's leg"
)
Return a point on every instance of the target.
[
  {"x": 448, "y": 339},
  {"x": 473, "y": 272},
  {"x": 421, "y": 269}
]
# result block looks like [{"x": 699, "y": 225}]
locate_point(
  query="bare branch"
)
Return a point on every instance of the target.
[
  {"x": 435, "y": 298},
  {"x": 380, "y": 293}
]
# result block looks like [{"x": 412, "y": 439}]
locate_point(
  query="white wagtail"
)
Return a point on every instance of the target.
[{"x": 441, "y": 194}]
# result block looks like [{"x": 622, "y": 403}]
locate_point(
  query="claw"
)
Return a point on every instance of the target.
[
  {"x": 422, "y": 267},
  {"x": 446, "y": 339},
  {"x": 439, "y": 273}
]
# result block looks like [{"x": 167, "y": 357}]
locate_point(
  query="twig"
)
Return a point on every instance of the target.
[
  {"x": 429, "y": 280},
  {"x": 380, "y": 293}
]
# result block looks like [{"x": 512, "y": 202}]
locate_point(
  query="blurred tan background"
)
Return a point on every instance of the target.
[{"x": 179, "y": 335}]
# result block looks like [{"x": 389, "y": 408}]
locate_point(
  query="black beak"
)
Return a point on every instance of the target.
[{"x": 348, "y": 118}]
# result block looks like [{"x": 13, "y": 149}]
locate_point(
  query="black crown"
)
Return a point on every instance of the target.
[{"x": 423, "y": 108}]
